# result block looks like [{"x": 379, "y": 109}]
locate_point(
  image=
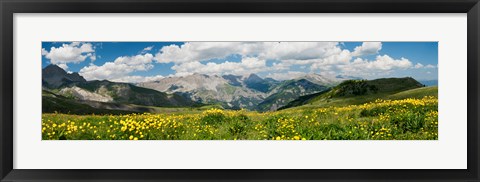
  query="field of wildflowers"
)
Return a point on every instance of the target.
[{"x": 406, "y": 119}]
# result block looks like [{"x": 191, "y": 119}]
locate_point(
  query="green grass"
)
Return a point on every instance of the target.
[
  {"x": 415, "y": 93},
  {"x": 181, "y": 110},
  {"x": 409, "y": 119}
]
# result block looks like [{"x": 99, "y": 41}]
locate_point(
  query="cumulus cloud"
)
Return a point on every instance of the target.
[
  {"x": 327, "y": 63},
  {"x": 138, "y": 79},
  {"x": 204, "y": 51},
  {"x": 119, "y": 68},
  {"x": 195, "y": 51},
  {"x": 420, "y": 65},
  {"x": 245, "y": 66},
  {"x": 325, "y": 57},
  {"x": 285, "y": 60},
  {"x": 74, "y": 52},
  {"x": 191, "y": 57},
  {"x": 367, "y": 48},
  {"x": 382, "y": 65}
]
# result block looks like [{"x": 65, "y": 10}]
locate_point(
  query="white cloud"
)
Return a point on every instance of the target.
[
  {"x": 44, "y": 52},
  {"x": 299, "y": 50},
  {"x": 75, "y": 52},
  {"x": 382, "y": 65},
  {"x": 75, "y": 44},
  {"x": 253, "y": 63},
  {"x": 324, "y": 57},
  {"x": 119, "y": 68},
  {"x": 204, "y": 51},
  {"x": 189, "y": 57},
  {"x": 147, "y": 49},
  {"x": 195, "y": 51},
  {"x": 286, "y": 75},
  {"x": 245, "y": 66},
  {"x": 430, "y": 66},
  {"x": 287, "y": 59},
  {"x": 93, "y": 57},
  {"x": 280, "y": 66},
  {"x": 367, "y": 48},
  {"x": 327, "y": 63},
  {"x": 418, "y": 65},
  {"x": 138, "y": 79}
]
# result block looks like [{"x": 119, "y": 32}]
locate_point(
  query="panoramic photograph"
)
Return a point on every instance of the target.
[{"x": 239, "y": 90}]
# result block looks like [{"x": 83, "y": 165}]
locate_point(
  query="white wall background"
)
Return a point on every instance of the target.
[{"x": 449, "y": 152}]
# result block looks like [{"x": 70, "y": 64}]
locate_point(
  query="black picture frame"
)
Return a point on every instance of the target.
[{"x": 9, "y": 7}]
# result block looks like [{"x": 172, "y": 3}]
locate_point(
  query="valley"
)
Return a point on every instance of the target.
[{"x": 234, "y": 92}]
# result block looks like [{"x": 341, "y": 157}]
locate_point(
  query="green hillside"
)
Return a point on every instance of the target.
[
  {"x": 417, "y": 93},
  {"x": 362, "y": 91},
  {"x": 52, "y": 103},
  {"x": 129, "y": 94}
]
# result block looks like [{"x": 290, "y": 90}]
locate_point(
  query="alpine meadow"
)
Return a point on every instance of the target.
[{"x": 239, "y": 90}]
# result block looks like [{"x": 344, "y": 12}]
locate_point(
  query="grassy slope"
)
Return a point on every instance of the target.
[
  {"x": 383, "y": 120},
  {"x": 389, "y": 88},
  {"x": 52, "y": 103},
  {"x": 417, "y": 93}
]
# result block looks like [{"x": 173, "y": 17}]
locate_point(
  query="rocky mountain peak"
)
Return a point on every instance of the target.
[
  {"x": 253, "y": 78},
  {"x": 53, "y": 70},
  {"x": 53, "y": 77}
]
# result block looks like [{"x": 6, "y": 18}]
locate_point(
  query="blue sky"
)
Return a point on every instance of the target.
[{"x": 146, "y": 61}]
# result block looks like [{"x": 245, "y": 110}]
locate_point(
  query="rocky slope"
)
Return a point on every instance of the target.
[{"x": 207, "y": 89}]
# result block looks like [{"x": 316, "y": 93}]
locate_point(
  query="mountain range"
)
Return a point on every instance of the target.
[
  {"x": 61, "y": 85},
  {"x": 227, "y": 91},
  {"x": 234, "y": 92}
]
